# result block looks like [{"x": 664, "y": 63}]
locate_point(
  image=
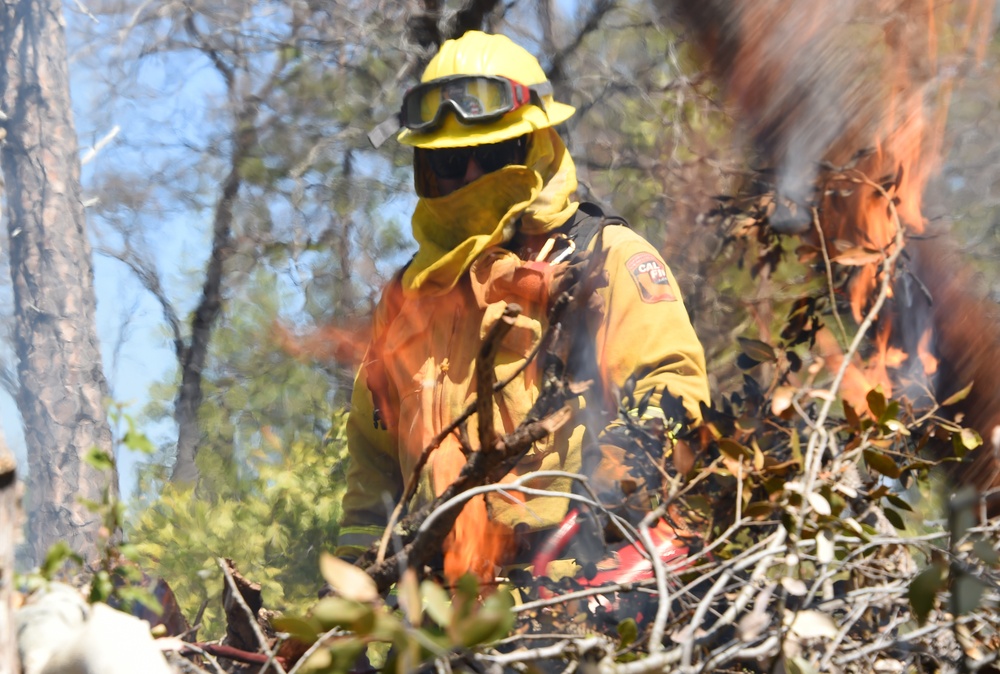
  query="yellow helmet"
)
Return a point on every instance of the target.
[{"x": 507, "y": 73}]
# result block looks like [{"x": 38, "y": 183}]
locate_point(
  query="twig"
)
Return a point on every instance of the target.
[
  {"x": 763, "y": 561},
  {"x": 319, "y": 643},
  {"x": 829, "y": 271},
  {"x": 655, "y": 643},
  {"x": 208, "y": 656},
  {"x": 560, "y": 649},
  {"x": 766, "y": 647},
  {"x": 818, "y": 439},
  {"x": 229, "y": 652},
  {"x": 89, "y": 155}
]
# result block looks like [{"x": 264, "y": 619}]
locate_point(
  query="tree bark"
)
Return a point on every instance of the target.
[
  {"x": 62, "y": 384},
  {"x": 9, "y": 522}
]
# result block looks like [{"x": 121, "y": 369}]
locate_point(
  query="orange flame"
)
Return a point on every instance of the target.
[
  {"x": 909, "y": 145},
  {"x": 927, "y": 359},
  {"x": 869, "y": 200},
  {"x": 343, "y": 344},
  {"x": 477, "y": 544}
]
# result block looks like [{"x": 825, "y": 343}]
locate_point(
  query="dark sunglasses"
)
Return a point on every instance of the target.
[{"x": 452, "y": 163}]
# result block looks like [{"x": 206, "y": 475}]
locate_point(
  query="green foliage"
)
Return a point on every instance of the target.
[
  {"x": 430, "y": 624},
  {"x": 273, "y": 524}
]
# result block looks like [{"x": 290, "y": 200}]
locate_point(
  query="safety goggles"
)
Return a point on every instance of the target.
[
  {"x": 474, "y": 99},
  {"x": 452, "y": 163}
]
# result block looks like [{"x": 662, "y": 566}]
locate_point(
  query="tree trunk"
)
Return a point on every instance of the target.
[
  {"x": 62, "y": 385},
  {"x": 193, "y": 357},
  {"x": 8, "y": 534}
]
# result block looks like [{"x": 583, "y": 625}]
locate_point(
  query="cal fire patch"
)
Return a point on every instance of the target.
[{"x": 651, "y": 278}]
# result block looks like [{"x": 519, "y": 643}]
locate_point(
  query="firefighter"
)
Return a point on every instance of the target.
[{"x": 495, "y": 224}]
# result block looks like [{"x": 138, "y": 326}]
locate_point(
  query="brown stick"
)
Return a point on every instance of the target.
[{"x": 237, "y": 654}]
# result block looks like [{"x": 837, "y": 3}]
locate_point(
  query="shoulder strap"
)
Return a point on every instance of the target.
[{"x": 588, "y": 220}]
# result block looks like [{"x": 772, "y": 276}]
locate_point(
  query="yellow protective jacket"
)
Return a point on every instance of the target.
[{"x": 423, "y": 354}]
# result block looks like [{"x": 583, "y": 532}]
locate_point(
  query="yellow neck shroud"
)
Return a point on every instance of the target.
[{"x": 455, "y": 229}]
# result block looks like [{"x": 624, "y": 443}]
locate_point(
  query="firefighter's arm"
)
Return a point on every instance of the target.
[
  {"x": 645, "y": 331},
  {"x": 644, "y": 334},
  {"x": 373, "y": 471}
]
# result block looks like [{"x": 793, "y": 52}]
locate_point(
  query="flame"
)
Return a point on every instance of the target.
[
  {"x": 343, "y": 344},
  {"x": 927, "y": 358},
  {"x": 476, "y": 544},
  {"x": 908, "y": 147},
  {"x": 819, "y": 82}
]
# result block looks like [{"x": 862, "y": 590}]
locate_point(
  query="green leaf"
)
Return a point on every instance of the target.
[
  {"x": 958, "y": 396},
  {"x": 303, "y": 629},
  {"x": 970, "y": 438},
  {"x": 882, "y": 463},
  {"x": 923, "y": 591},
  {"x": 338, "y": 612},
  {"x": 138, "y": 442},
  {"x": 100, "y": 587},
  {"x": 734, "y": 450},
  {"x": 343, "y": 653},
  {"x": 894, "y": 518},
  {"x": 129, "y": 552},
  {"x": 436, "y": 602},
  {"x": 757, "y": 350},
  {"x": 99, "y": 459},
  {"x": 796, "y": 445},
  {"x": 899, "y": 502},
  {"x": 628, "y": 632},
  {"x": 56, "y": 556},
  {"x": 890, "y": 414},
  {"x": 468, "y": 587},
  {"x": 876, "y": 402},
  {"x": 484, "y": 627}
]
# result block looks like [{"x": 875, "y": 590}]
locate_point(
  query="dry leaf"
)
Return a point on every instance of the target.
[
  {"x": 811, "y": 624},
  {"x": 794, "y": 586},
  {"x": 858, "y": 256},
  {"x": 820, "y": 504},
  {"x": 347, "y": 580},
  {"x": 782, "y": 399}
]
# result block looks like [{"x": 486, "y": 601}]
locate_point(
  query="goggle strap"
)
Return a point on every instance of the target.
[
  {"x": 539, "y": 90},
  {"x": 384, "y": 131},
  {"x": 542, "y": 89}
]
